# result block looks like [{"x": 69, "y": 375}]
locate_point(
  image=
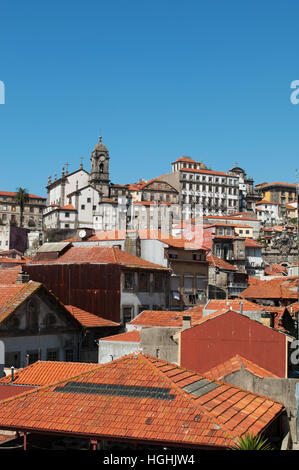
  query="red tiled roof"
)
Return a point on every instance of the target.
[
  {"x": 12, "y": 261},
  {"x": 268, "y": 292},
  {"x": 275, "y": 269},
  {"x": 250, "y": 243},
  {"x": 48, "y": 372},
  {"x": 99, "y": 254},
  {"x": 208, "y": 172},
  {"x": 220, "y": 263},
  {"x": 211, "y": 419},
  {"x": 167, "y": 318},
  {"x": 234, "y": 364},
  {"x": 247, "y": 306},
  {"x": 8, "y": 193},
  {"x": 89, "y": 319},
  {"x": 132, "y": 336},
  {"x": 185, "y": 159},
  {"x": 9, "y": 275},
  {"x": 69, "y": 207},
  {"x": 280, "y": 184},
  {"x": 7, "y": 391},
  {"x": 13, "y": 295}
]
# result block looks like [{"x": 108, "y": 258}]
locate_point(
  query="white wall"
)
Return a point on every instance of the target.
[{"x": 110, "y": 350}]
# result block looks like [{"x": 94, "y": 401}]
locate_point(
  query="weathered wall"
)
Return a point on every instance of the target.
[
  {"x": 92, "y": 287},
  {"x": 282, "y": 390},
  {"x": 159, "y": 342},
  {"x": 218, "y": 339}
]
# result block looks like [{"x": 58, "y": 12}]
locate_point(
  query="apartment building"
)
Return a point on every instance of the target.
[{"x": 217, "y": 193}]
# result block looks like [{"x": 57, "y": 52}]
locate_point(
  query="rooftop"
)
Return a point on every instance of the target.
[
  {"x": 99, "y": 254},
  {"x": 234, "y": 364},
  {"x": 141, "y": 398},
  {"x": 88, "y": 319},
  {"x": 132, "y": 336}
]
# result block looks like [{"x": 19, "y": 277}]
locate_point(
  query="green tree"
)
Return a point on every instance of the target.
[
  {"x": 22, "y": 197},
  {"x": 251, "y": 442}
]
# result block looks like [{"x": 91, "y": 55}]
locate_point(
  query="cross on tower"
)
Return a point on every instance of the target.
[
  {"x": 67, "y": 168},
  {"x": 81, "y": 164}
]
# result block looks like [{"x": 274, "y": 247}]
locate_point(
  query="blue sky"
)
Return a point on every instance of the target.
[{"x": 157, "y": 79}]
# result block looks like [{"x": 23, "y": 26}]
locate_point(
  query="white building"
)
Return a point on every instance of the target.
[
  {"x": 268, "y": 213},
  {"x": 217, "y": 193}
]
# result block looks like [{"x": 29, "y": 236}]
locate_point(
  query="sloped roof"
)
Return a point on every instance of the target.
[
  {"x": 13, "y": 295},
  {"x": 250, "y": 243},
  {"x": 88, "y": 319},
  {"x": 268, "y": 292},
  {"x": 139, "y": 397},
  {"x": 100, "y": 254},
  {"x": 132, "y": 336},
  {"x": 168, "y": 318},
  {"x": 234, "y": 364},
  {"x": 220, "y": 263},
  {"x": 9, "y": 275},
  {"x": 247, "y": 306},
  {"x": 48, "y": 372}
]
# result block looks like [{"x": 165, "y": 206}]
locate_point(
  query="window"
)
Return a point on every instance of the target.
[
  {"x": 33, "y": 356},
  {"x": 128, "y": 281},
  {"x": 127, "y": 313},
  {"x": 143, "y": 282},
  {"x": 83, "y": 206},
  {"x": 141, "y": 308},
  {"x": 52, "y": 355},
  {"x": 88, "y": 199},
  {"x": 69, "y": 355},
  {"x": 67, "y": 214},
  {"x": 12, "y": 359},
  {"x": 94, "y": 208},
  {"x": 159, "y": 282},
  {"x": 66, "y": 225},
  {"x": 31, "y": 209}
]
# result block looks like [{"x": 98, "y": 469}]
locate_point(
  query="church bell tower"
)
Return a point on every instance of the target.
[{"x": 99, "y": 175}]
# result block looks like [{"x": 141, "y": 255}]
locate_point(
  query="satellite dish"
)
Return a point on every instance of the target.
[{"x": 82, "y": 234}]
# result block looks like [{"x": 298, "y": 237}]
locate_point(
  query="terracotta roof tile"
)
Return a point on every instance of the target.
[
  {"x": 9, "y": 275},
  {"x": 178, "y": 416},
  {"x": 268, "y": 292},
  {"x": 97, "y": 254},
  {"x": 128, "y": 336},
  {"x": 220, "y": 263},
  {"x": 48, "y": 372},
  {"x": 166, "y": 317},
  {"x": 234, "y": 364},
  {"x": 88, "y": 319}
]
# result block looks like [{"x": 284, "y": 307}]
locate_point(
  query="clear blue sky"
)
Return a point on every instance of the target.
[{"x": 157, "y": 79}]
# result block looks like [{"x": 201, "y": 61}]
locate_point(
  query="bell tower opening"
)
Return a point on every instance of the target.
[{"x": 99, "y": 176}]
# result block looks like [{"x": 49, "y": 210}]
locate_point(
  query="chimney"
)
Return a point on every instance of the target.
[
  {"x": 22, "y": 277},
  {"x": 241, "y": 307},
  {"x": 12, "y": 373},
  {"x": 186, "y": 322}
]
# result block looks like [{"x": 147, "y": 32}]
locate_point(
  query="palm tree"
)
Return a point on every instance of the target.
[
  {"x": 21, "y": 197},
  {"x": 250, "y": 442}
]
